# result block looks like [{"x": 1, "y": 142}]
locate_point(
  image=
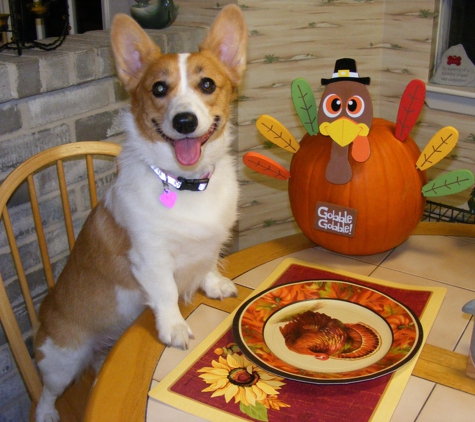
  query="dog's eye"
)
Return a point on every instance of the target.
[
  {"x": 207, "y": 85},
  {"x": 159, "y": 89}
]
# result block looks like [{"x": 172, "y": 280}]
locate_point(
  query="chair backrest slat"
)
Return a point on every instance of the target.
[
  {"x": 21, "y": 355},
  {"x": 30, "y": 307},
  {"x": 40, "y": 233},
  {"x": 91, "y": 181},
  {"x": 68, "y": 219}
]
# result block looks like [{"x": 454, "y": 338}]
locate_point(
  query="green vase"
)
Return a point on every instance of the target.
[{"x": 155, "y": 16}]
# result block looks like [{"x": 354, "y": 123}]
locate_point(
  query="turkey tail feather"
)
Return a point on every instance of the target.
[{"x": 410, "y": 108}]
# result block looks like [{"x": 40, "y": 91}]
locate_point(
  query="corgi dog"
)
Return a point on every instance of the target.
[{"x": 159, "y": 231}]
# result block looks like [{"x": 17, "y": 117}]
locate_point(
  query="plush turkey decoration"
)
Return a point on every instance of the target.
[{"x": 357, "y": 184}]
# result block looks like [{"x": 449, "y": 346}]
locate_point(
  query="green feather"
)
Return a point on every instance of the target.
[
  {"x": 305, "y": 106},
  {"x": 449, "y": 184}
]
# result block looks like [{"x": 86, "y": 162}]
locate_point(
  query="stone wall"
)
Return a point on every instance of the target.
[{"x": 46, "y": 99}]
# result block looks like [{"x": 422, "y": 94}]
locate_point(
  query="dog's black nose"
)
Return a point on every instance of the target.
[{"x": 185, "y": 123}]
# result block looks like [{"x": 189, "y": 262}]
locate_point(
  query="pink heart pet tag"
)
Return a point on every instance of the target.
[{"x": 168, "y": 198}]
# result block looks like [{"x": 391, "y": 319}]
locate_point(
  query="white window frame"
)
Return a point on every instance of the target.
[
  {"x": 72, "y": 17},
  {"x": 443, "y": 30}
]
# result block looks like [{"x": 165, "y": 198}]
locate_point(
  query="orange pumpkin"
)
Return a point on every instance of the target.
[{"x": 385, "y": 191}]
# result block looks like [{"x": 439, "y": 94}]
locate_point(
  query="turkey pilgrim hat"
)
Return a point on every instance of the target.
[{"x": 345, "y": 70}]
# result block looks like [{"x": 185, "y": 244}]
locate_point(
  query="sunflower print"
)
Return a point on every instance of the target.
[{"x": 232, "y": 376}]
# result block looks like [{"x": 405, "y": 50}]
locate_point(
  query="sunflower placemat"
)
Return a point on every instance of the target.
[{"x": 310, "y": 344}]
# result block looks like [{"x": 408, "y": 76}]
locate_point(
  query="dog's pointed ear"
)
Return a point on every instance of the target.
[
  {"x": 133, "y": 49},
  {"x": 227, "y": 39}
]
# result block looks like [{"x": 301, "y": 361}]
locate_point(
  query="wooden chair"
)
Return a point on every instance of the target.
[{"x": 72, "y": 404}]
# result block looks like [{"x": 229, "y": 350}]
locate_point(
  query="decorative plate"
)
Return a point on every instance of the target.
[{"x": 326, "y": 331}]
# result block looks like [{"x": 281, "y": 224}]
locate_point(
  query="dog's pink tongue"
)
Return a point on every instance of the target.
[{"x": 188, "y": 151}]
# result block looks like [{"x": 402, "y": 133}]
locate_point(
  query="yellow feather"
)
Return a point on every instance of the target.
[
  {"x": 438, "y": 147},
  {"x": 277, "y": 133}
]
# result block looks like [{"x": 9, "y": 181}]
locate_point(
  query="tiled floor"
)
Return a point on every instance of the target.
[{"x": 422, "y": 260}]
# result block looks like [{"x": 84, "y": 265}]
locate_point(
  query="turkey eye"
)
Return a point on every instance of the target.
[
  {"x": 207, "y": 85},
  {"x": 332, "y": 105},
  {"x": 335, "y": 105},
  {"x": 159, "y": 89},
  {"x": 355, "y": 106}
]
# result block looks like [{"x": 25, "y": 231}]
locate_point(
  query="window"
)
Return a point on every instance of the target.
[
  {"x": 452, "y": 83},
  {"x": 455, "y": 42},
  {"x": 461, "y": 26}
]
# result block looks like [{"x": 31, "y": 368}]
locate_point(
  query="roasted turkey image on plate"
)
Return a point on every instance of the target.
[{"x": 319, "y": 335}]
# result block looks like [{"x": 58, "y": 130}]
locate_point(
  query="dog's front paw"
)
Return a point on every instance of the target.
[
  {"x": 175, "y": 335},
  {"x": 45, "y": 410},
  {"x": 219, "y": 287},
  {"x": 46, "y": 415}
]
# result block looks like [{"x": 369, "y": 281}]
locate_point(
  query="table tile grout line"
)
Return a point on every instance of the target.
[
  {"x": 425, "y": 402},
  {"x": 467, "y": 326}
]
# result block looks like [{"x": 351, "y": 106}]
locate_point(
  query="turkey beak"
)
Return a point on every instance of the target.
[{"x": 344, "y": 131}]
